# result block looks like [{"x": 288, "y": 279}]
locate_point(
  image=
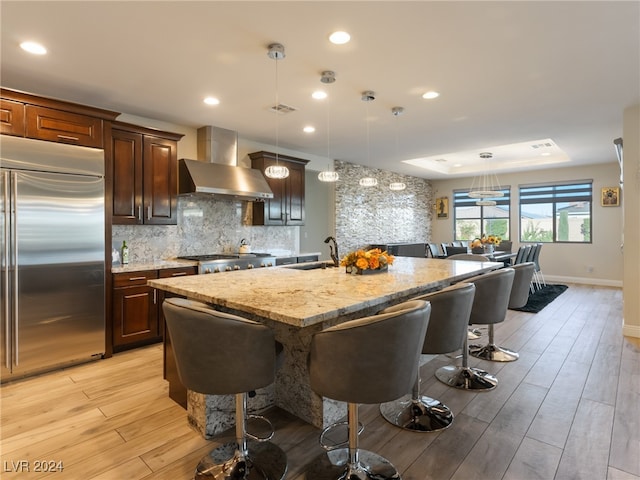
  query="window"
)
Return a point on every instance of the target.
[
  {"x": 472, "y": 221},
  {"x": 559, "y": 212}
]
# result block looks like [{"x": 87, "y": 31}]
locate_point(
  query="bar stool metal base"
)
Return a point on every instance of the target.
[
  {"x": 466, "y": 378},
  {"x": 333, "y": 465},
  {"x": 422, "y": 415},
  {"x": 493, "y": 353},
  {"x": 265, "y": 461}
]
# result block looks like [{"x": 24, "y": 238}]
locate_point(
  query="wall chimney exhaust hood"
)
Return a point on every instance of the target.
[{"x": 217, "y": 172}]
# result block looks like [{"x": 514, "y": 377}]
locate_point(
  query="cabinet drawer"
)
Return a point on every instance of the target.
[
  {"x": 177, "y": 272},
  {"x": 64, "y": 127},
  {"x": 11, "y": 117},
  {"x": 130, "y": 279}
]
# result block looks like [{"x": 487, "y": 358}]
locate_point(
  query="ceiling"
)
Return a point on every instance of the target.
[{"x": 507, "y": 72}]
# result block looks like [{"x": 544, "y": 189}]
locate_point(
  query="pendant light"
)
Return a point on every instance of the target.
[
  {"x": 368, "y": 96},
  {"x": 397, "y": 186},
  {"x": 486, "y": 185},
  {"x": 328, "y": 175},
  {"x": 277, "y": 171}
]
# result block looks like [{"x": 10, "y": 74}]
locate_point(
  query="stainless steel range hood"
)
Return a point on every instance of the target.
[{"x": 216, "y": 172}]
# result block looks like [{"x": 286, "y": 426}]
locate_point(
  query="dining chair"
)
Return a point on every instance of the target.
[
  {"x": 538, "y": 272},
  {"x": 434, "y": 251},
  {"x": 455, "y": 251},
  {"x": 523, "y": 254}
]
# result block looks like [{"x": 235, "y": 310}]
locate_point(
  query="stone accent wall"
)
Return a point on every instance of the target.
[
  {"x": 206, "y": 224},
  {"x": 366, "y": 215}
]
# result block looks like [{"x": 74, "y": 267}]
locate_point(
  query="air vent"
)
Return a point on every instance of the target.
[
  {"x": 282, "y": 109},
  {"x": 542, "y": 145}
]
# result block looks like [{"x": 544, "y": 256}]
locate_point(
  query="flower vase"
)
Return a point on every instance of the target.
[
  {"x": 488, "y": 248},
  {"x": 353, "y": 270}
]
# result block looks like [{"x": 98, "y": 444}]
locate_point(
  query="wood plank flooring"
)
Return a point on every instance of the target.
[{"x": 569, "y": 408}]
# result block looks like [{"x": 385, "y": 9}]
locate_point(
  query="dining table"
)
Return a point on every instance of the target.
[{"x": 297, "y": 303}]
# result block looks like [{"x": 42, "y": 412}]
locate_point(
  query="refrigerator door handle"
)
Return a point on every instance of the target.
[
  {"x": 14, "y": 264},
  {"x": 5, "y": 271}
]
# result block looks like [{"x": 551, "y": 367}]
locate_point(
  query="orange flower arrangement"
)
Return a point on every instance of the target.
[
  {"x": 374, "y": 259},
  {"x": 491, "y": 240}
]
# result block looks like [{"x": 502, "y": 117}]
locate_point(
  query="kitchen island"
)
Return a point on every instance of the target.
[{"x": 297, "y": 304}]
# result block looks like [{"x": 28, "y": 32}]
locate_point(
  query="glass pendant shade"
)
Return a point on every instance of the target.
[
  {"x": 368, "y": 182},
  {"x": 276, "y": 171},
  {"x": 328, "y": 176},
  {"x": 397, "y": 186}
]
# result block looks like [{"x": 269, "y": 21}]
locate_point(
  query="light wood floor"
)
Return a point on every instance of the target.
[{"x": 569, "y": 408}]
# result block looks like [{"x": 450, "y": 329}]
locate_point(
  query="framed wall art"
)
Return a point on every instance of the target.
[
  {"x": 442, "y": 207},
  {"x": 610, "y": 197}
]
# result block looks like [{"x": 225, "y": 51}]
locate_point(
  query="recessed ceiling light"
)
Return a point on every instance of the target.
[
  {"x": 211, "y": 101},
  {"x": 33, "y": 47},
  {"x": 430, "y": 95},
  {"x": 319, "y": 95},
  {"x": 309, "y": 129},
  {"x": 545, "y": 154},
  {"x": 339, "y": 38}
]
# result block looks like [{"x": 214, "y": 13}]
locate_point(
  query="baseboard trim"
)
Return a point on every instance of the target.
[
  {"x": 631, "y": 331},
  {"x": 601, "y": 282}
]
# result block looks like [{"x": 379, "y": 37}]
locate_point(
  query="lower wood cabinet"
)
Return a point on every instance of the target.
[{"x": 137, "y": 313}]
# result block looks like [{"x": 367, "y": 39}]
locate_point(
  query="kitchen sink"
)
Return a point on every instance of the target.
[{"x": 310, "y": 265}]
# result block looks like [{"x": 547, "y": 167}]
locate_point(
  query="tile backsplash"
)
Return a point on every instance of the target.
[{"x": 206, "y": 225}]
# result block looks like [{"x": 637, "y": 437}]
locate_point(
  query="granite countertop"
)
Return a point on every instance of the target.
[
  {"x": 177, "y": 263},
  {"x": 157, "y": 265},
  {"x": 306, "y": 297}
]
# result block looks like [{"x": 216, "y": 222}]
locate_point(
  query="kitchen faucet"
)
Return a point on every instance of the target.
[{"x": 334, "y": 251}]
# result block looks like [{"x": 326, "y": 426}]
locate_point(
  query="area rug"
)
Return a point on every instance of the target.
[{"x": 541, "y": 298}]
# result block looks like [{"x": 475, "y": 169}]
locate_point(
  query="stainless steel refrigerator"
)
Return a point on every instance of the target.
[{"x": 53, "y": 270}]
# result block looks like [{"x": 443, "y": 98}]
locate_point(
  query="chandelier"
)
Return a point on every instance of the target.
[{"x": 485, "y": 186}]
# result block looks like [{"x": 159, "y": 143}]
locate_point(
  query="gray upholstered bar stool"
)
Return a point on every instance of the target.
[
  {"x": 450, "y": 310},
  {"x": 369, "y": 360},
  {"x": 222, "y": 354},
  {"x": 493, "y": 291},
  {"x": 523, "y": 275},
  {"x": 472, "y": 333}
]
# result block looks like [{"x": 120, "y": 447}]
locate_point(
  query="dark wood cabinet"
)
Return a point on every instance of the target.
[
  {"x": 144, "y": 169},
  {"x": 31, "y": 116},
  {"x": 12, "y": 118},
  {"x": 137, "y": 308},
  {"x": 287, "y": 205},
  {"x": 63, "y": 127}
]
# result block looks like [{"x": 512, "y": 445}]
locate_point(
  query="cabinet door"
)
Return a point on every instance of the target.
[
  {"x": 160, "y": 165},
  {"x": 135, "y": 315},
  {"x": 295, "y": 195},
  {"x": 64, "y": 127},
  {"x": 12, "y": 118},
  {"x": 287, "y": 205},
  {"x": 127, "y": 177}
]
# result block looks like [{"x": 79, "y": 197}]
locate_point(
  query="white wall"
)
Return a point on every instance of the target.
[
  {"x": 631, "y": 200},
  {"x": 560, "y": 262}
]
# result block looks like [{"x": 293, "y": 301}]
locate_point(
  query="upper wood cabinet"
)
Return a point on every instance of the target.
[
  {"x": 27, "y": 115},
  {"x": 144, "y": 172},
  {"x": 287, "y": 205}
]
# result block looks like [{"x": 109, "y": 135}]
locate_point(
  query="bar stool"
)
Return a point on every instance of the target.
[
  {"x": 473, "y": 333},
  {"x": 221, "y": 354},
  {"x": 490, "y": 307},
  {"x": 450, "y": 310},
  {"x": 368, "y": 360},
  {"x": 523, "y": 275}
]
